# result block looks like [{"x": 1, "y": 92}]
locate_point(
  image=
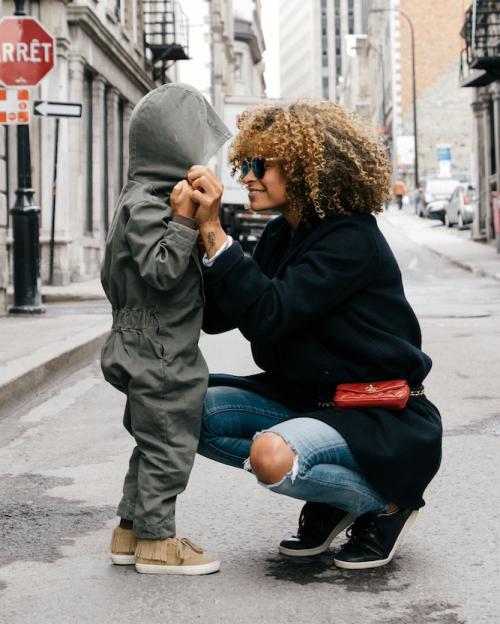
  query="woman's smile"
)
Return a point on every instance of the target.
[{"x": 254, "y": 193}]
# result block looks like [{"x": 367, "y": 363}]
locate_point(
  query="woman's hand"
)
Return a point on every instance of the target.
[
  {"x": 181, "y": 200},
  {"x": 207, "y": 193}
]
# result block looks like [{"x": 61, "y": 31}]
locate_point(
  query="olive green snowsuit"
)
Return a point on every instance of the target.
[{"x": 152, "y": 276}]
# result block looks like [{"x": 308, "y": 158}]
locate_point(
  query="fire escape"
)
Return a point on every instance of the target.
[
  {"x": 480, "y": 60},
  {"x": 166, "y": 36}
]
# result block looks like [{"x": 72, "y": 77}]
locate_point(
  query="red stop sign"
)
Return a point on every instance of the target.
[{"x": 27, "y": 51}]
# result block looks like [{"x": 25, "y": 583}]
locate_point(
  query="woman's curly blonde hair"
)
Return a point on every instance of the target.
[{"x": 332, "y": 163}]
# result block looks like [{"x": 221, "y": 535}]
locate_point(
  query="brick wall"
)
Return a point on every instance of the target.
[
  {"x": 444, "y": 113},
  {"x": 444, "y": 116}
]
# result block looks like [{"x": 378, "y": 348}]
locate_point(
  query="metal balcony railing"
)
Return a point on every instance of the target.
[
  {"x": 166, "y": 31},
  {"x": 481, "y": 34}
]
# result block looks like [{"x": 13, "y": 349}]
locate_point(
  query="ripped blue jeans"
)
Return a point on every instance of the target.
[{"x": 324, "y": 468}]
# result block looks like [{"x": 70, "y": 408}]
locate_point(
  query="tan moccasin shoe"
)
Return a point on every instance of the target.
[
  {"x": 123, "y": 545},
  {"x": 173, "y": 556}
]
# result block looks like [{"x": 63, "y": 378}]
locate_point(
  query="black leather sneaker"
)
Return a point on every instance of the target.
[
  {"x": 373, "y": 539},
  {"x": 319, "y": 524}
]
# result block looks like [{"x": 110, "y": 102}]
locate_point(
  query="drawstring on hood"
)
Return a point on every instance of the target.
[{"x": 172, "y": 128}]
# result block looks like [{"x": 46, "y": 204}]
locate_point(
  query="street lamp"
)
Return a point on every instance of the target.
[
  {"x": 25, "y": 226},
  {"x": 414, "y": 87}
]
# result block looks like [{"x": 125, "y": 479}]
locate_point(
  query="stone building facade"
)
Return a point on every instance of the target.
[
  {"x": 439, "y": 97},
  {"x": 100, "y": 63},
  {"x": 480, "y": 77},
  {"x": 4, "y": 271},
  {"x": 314, "y": 48},
  {"x": 388, "y": 50}
]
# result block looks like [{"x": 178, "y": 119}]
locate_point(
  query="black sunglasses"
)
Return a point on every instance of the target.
[{"x": 257, "y": 165}]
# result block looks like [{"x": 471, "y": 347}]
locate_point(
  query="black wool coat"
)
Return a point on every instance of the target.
[{"x": 322, "y": 306}]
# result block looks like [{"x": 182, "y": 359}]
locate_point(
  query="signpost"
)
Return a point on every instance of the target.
[
  {"x": 27, "y": 54},
  {"x": 57, "y": 110}
]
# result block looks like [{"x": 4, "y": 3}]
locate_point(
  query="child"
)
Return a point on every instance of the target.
[{"x": 151, "y": 275}]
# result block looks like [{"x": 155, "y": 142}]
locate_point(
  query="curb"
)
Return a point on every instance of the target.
[
  {"x": 67, "y": 297},
  {"x": 38, "y": 375},
  {"x": 475, "y": 270},
  {"x": 472, "y": 267}
]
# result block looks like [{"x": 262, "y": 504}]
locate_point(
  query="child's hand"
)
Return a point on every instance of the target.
[
  {"x": 207, "y": 193},
  {"x": 181, "y": 200}
]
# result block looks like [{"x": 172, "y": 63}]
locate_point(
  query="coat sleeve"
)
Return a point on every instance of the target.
[
  {"x": 215, "y": 320},
  {"x": 160, "y": 248},
  {"x": 325, "y": 276}
]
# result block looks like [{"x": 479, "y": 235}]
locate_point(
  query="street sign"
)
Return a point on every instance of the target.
[
  {"x": 27, "y": 51},
  {"x": 14, "y": 106},
  {"x": 44, "y": 108}
]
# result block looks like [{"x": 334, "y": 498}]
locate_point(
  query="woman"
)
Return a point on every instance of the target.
[{"x": 322, "y": 303}]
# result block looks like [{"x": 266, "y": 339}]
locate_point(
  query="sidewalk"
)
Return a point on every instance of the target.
[
  {"x": 450, "y": 243},
  {"x": 36, "y": 347},
  {"x": 77, "y": 291}
]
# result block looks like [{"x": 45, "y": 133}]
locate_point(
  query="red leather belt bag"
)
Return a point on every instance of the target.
[{"x": 392, "y": 395}]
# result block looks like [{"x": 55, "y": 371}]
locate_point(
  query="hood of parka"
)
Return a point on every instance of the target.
[{"x": 172, "y": 128}]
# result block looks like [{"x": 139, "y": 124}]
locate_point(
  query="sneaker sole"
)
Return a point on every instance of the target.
[
  {"x": 310, "y": 552},
  {"x": 195, "y": 570},
  {"x": 123, "y": 559},
  {"x": 380, "y": 562}
]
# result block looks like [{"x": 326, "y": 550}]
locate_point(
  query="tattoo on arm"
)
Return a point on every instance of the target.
[{"x": 211, "y": 241}]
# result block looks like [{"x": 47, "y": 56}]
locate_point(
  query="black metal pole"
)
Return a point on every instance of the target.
[
  {"x": 414, "y": 91},
  {"x": 54, "y": 196},
  {"x": 25, "y": 227}
]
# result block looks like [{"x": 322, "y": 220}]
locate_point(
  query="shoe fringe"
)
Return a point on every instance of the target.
[
  {"x": 166, "y": 550},
  {"x": 123, "y": 541},
  {"x": 155, "y": 550}
]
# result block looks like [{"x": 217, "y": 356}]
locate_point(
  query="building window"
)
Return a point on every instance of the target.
[
  {"x": 134, "y": 21},
  {"x": 324, "y": 38},
  {"x": 89, "y": 130},
  {"x": 105, "y": 160},
  {"x": 338, "y": 43},
  {"x": 238, "y": 66},
  {"x": 493, "y": 138},
  {"x": 326, "y": 92},
  {"x": 119, "y": 10},
  {"x": 121, "y": 131},
  {"x": 350, "y": 17},
  {"x": 5, "y": 164}
]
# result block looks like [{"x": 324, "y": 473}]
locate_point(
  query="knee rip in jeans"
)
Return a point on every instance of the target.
[{"x": 291, "y": 474}]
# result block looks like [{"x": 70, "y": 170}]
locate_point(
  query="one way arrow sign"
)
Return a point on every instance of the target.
[{"x": 57, "y": 109}]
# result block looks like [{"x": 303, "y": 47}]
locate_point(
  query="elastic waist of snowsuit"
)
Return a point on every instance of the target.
[{"x": 134, "y": 318}]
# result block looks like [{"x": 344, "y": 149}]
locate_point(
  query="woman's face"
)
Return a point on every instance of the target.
[{"x": 268, "y": 192}]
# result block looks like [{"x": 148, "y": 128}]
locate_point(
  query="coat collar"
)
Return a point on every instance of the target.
[{"x": 280, "y": 235}]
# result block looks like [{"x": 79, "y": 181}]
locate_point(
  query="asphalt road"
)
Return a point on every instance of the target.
[{"x": 63, "y": 454}]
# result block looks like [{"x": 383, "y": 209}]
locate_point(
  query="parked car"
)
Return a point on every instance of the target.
[
  {"x": 461, "y": 207},
  {"x": 246, "y": 226},
  {"x": 434, "y": 194}
]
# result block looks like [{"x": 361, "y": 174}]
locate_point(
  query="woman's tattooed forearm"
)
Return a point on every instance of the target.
[{"x": 211, "y": 241}]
